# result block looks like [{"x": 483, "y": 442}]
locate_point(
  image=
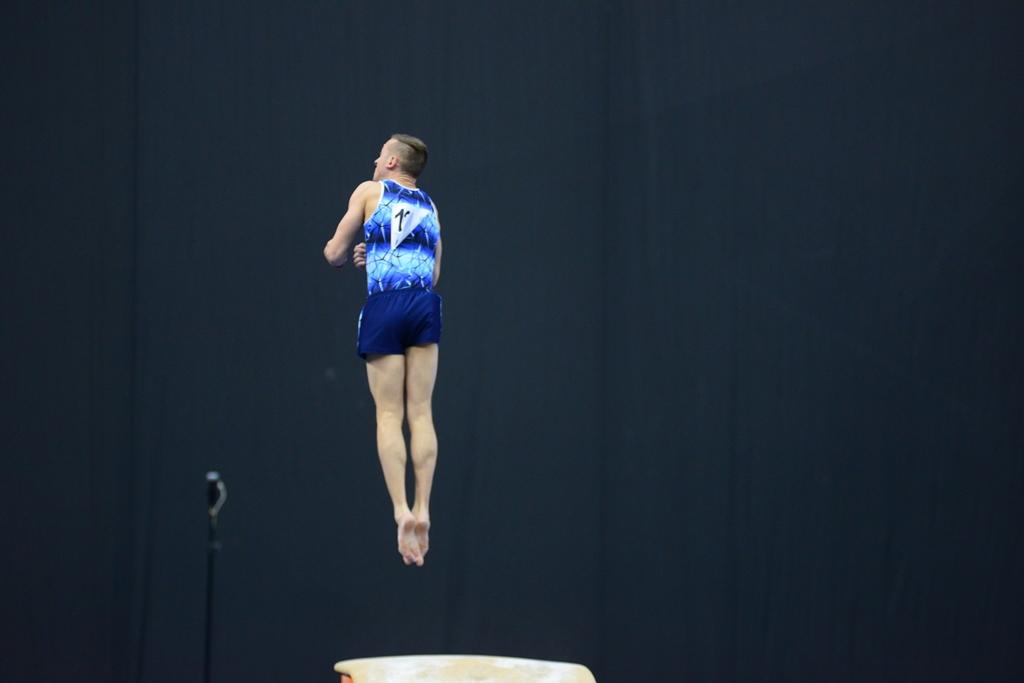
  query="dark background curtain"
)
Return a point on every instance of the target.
[{"x": 730, "y": 384}]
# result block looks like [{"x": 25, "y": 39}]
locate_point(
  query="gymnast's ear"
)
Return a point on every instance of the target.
[{"x": 393, "y": 159}]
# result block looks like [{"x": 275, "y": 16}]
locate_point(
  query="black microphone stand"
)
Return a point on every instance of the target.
[{"x": 216, "y": 494}]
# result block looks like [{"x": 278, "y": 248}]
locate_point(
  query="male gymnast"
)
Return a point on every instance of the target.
[{"x": 400, "y": 324}]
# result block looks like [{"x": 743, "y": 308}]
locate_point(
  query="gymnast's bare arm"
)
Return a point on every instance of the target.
[
  {"x": 437, "y": 247},
  {"x": 359, "y": 255},
  {"x": 437, "y": 262},
  {"x": 336, "y": 247}
]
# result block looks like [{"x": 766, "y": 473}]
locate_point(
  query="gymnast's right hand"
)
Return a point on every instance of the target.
[{"x": 359, "y": 255}]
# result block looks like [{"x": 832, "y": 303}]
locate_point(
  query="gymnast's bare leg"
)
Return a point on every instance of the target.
[
  {"x": 390, "y": 376},
  {"x": 386, "y": 375},
  {"x": 420, "y": 372}
]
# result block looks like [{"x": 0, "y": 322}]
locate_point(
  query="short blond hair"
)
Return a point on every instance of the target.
[{"x": 411, "y": 153}]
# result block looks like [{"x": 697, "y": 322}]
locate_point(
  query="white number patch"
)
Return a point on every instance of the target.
[{"x": 404, "y": 219}]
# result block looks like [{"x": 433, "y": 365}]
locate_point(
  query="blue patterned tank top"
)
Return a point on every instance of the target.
[{"x": 400, "y": 237}]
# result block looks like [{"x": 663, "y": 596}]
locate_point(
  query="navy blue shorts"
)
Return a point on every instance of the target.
[{"x": 392, "y": 321}]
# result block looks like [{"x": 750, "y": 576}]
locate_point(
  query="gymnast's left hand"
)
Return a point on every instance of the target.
[{"x": 359, "y": 255}]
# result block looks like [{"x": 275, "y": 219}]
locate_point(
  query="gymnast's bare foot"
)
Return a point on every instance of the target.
[
  {"x": 408, "y": 546},
  {"x": 422, "y": 529}
]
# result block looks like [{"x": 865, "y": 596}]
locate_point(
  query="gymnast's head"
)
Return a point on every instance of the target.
[{"x": 401, "y": 155}]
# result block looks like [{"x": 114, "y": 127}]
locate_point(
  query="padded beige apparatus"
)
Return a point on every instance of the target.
[{"x": 459, "y": 669}]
